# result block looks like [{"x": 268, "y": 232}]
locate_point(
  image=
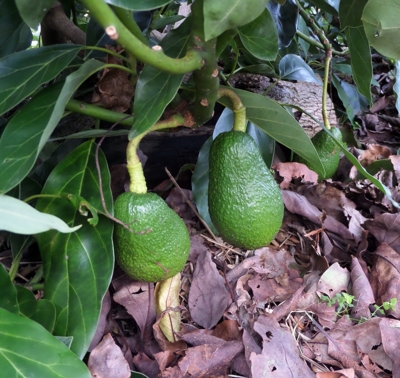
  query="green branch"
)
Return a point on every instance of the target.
[
  {"x": 155, "y": 57},
  {"x": 315, "y": 43}
]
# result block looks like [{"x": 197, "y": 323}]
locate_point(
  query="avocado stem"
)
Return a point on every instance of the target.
[
  {"x": 134, "y": 166},
  {"x": 239, "y": 110}
]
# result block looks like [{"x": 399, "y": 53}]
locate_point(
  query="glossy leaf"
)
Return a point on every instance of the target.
[
  {"x": 8, "y": 297},
  {"x": 200, "y": 184},
  {"x": 293, "y": 67},
  {"x": 274, "y": 120},
  {"x": 23, "y": 72},
  {"x": 285, "y": 16},
  {"x": 260, "y": 36},
  {"x": 41, "y": 311},
  {"x": 15, "y": 35},
  {"x": 381, "y": 24},
  {"x": 264, "y": 142},
  {"x": 329, "y": 6},
  {"x": 77, "y": 267},
  {"x": 303, "y": 28},
  {"x": 32, "y": 12},
  {"x": 21, "y": 218},
  {"x": 27, "y": 349},
  {"x": 261, "y": 69},
  {"x": 361, "y": 64},
  {"x": 223, "y": 15},
  {"x": 350, "y": 12},
  {"x": 396, "y": 86},
  {"x": 139, "y": 5},
  {"x": 155, "y": 89}
]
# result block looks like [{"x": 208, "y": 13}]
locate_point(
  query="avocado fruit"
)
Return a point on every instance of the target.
[
  {"x": 328, "y": 152},
  {"x": 156, "y": 245},
  {"x": 244, "y": 200}
]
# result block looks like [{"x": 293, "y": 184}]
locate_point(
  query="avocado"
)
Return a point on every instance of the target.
[
  {"x": 328, "y": 151},
  {"x": 245, "y": 202},
  {"x": 157, "y": 245}
]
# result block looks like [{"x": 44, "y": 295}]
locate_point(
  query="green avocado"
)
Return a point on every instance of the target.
[
  {"x": 245, "y": 202},
  {"x": 158, "y": 244},
  {"x": 328, "y": 151}
]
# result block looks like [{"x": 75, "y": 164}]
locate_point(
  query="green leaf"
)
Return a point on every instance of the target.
[
  {"x": 264, "y": 142},
  {"x": 8, "y": 297},
  {"x": 23, "y": 72},
  {"x": 326, "y": 7},
  {"x": 28, "y": 350},
  {"x": 32, "y": 126},
  {"x": 78, "y": 266},
  {"x": 381, "y": 25},
  {"x": 350, "y": 12},
  {"x": 21, "y": 218},
  {"x": 274, "y": 120},
  {"x": 155, "y": 89},
  {"x": 15, "y": 35},
  {"x": 223, "y": 15},
  {"x": 396, "y": 86},
  {"x": 200, "y": 184},
  {"x": 41, "y": 311},
  {"x": 260, "y": 36},
  {"x": 139, "y": 5},
  {"x": 32, "y": 12},
  {"x": 293, "y": 67},
  {"x": 360, "y": 58}
]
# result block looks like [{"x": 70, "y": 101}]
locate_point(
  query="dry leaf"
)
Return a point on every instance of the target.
[
  {"x": 334, "y": 280},
  {"x": 166, "y": 298},
  {"x": 289, "y": 171}
]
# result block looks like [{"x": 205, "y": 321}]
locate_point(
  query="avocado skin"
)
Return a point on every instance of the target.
[
  {"x": 159, "y": 245},
  {"x": 245, "y": 202},
  {"x": 328, "y": 151}
]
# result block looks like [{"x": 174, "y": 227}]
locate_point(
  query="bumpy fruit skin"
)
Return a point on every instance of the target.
[
  {"x": 328, "y": 151},
  {"x": 159, "y": 246},
  {"x": 245, "y": 202}
]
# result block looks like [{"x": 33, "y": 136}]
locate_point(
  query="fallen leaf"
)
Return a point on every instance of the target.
[
  {"x": 107, "y": 360},
  {"x": 289, "y": 171},
  {"x": 101, "y": 325},
  {"x": 208, "y": 296},
  {"x": 386, "y": 229},
  {"x": 178, "y": 203},
  {"x": 390, "y": 333},
  {"x": 334, "y": 280}
]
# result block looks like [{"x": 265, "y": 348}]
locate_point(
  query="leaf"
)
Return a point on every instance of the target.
[
  {"x": 23, "y": 72},
  {"x": 274, "y": 120},
  {"x": 264, "y": 142},
  {"x": 27, "y": 349},
  {"x": 139, "y": 5},
  {"x": 41, "y": 311},
  {"x": 166, "y": 297},
  {"x": 155, "y": 89},
  {"x": 293, "y": 67},
  {"x": 8, "y": 297},
  {"x": 360, "y": 58},
  {"x": 329, "y": 6},
  {"x": 32, "y": 12},
  {"x": 200, "y": 184},
  {"x": 350, "y": 12},
  {"x": 77, "y": 267},
  {"x": 21, "y": 218},
  {"x": 260, "y": 36},
  {"x": 15, "y": 35},
  {"x": 223, "y": 15},
  {"x": 396, "y": 86},
  {"x": 32, "y": 126}
]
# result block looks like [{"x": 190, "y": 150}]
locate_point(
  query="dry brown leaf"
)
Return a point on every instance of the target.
[
  {"x": 101, "y": 325},
  {"x": 107, "y": 360},
  {"x": 208, "y": 296},
  {"x": 386, "y": 229},
  {"x": 390, "y": 332},
  {"x": 289, "y": 171},
  {"x": 144, "y": 364},
  {"x": 343, "y": 373},
  {"x": 178, "y": 203},
  {"x": 166, "y": 298},
  {"x": 334, "y": 280}
]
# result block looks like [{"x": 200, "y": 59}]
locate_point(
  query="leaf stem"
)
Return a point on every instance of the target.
[
  {"x": 315, "y": 43},
  {"x": 107, "y": 51},
  {"x": 155, "y": 57}
]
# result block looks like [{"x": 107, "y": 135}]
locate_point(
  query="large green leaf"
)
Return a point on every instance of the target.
[
  {"x": 15, "y": 35},
  {"x": 274, "y": 120},
  {"x": 78, "y": 266},
  {"x": 32, "y": 12},
  {"x": 8, "y": 297},
  {"x": 139, "y": 5},
  {"x": 350, "y": 12},
  {"x": 155, "y": 89},
  {"x": 381, "y": 23},
  {"x": 260, "y": 36},
  {"x": 293, "y": 67},
  {"x": 21, "y": 218},
  {"x": 28, "y": 350},
  {"x": 223, "y": 15},
  {"x": 23, "y": 72},
  {"x": 326, "y": 6},
  {"x": 29, "y": 130},
  {"x": 361, "y": 63}
]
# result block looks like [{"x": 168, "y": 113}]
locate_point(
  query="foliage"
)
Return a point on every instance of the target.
[{"x": 66, "y": 186}]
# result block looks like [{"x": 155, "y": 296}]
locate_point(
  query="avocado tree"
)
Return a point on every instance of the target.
[{"x": 146, "y": 73}]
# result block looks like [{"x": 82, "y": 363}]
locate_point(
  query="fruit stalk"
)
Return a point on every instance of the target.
[{"x": 238, "y": 108}]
